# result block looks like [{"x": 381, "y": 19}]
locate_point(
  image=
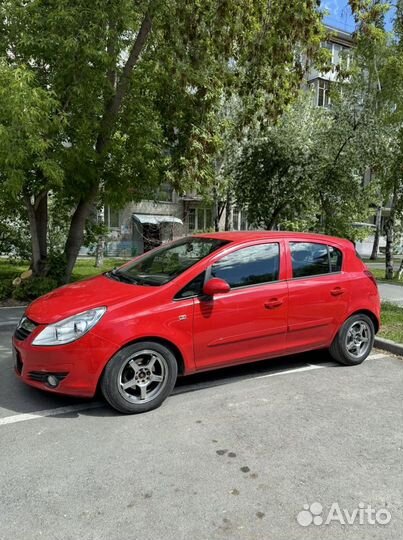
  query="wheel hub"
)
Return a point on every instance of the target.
[{"x": 143, "y": 375}]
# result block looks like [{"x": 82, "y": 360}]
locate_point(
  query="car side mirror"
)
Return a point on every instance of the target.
[{"x": 215, "y": 286}]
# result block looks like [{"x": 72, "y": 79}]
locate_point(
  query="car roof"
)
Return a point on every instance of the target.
[{"x": 248, "y": 236}]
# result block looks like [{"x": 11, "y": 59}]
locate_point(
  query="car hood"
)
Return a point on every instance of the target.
[{"x": 82, "y": 296}]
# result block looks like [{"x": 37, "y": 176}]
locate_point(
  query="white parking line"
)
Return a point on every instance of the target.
[
  {"x": 95, "y": 405},
  {"x": 308, "y": 367},
  {"x": 10, "y": 322},
  {"x": 49, "y": 412},
  {"x": 376, "y": 356}
]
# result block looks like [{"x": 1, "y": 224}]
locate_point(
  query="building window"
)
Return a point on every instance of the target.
[
  {"x": 112, "y": 218},
  {"x": 323, "y": 99},
  {"x": 192, "y": 219},
  {"x": 200, "y": 219},
  {"x": 209, "y": 218},
  {"x": 235, "y": 219},
  {"x": 340, "y": 54},
  {"x": 239, "y": 222},
  {"x": 164, "y": 193},
  {"x": 244, "y": 223}
]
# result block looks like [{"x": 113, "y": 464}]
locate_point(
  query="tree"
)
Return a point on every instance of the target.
[
  {"x": 124, "y": 94},
  {"x": 27, "y": 152},
  {"x": 384, "y": 60},
  {"x": 306, "y": 171},
  {"x": 271, "y": 178}
]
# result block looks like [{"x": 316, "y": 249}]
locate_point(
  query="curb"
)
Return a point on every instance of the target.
[
  {"x": 388, "y": 345},
  {"x": 14, "y": 307}
]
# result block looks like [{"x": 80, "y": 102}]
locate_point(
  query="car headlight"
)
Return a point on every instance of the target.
[{"x": 70, "y": 329}]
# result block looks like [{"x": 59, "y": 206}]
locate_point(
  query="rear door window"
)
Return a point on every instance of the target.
[{"x": 312, "y": 259}]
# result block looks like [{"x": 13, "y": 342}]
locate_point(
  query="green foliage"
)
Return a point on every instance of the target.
[
  {"x": 28, "y": 126},
  {"x": 8, "y": 271},
  {"x": 392, "y": 322},
  {"x": 14, "y": 236},
  {"x": 63, "y": 131},
  {"x": 271, "y": 177},
  {"x": 306, "y": 171},
  {"x": 32, "y": 288},
  {"x": 6, "y": 288}
]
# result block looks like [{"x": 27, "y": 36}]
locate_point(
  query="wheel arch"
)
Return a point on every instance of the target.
[
  {"x": 162, "y": 341},
  {"x": 369, "y": 314}
]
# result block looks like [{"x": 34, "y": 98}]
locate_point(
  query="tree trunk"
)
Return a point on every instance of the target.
[
  {"x": 389, "y": 230},
  {"x": 38, "y": 223},
  {"x": 389, "y": 250},
  {"x": 75, "y": 236},
  {"x": 400, "y": 270},
  {"x": 100, "y": 249},
  {"x": 107, "y": 125},
  {"x": 99, "y": 252},
  {"x": 228, "y": 211},
  {"x": 375, "y": 246}
]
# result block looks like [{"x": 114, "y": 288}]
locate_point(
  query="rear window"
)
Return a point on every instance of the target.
[{"x": 312, "y": 259}]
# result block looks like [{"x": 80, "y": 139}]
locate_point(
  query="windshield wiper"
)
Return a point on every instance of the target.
[{"x": 121, "y": 276}]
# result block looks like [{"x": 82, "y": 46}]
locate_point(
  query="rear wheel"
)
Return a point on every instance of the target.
[
  {"x": 139, "y": 377},
  {"x": 354, "y": 340}
]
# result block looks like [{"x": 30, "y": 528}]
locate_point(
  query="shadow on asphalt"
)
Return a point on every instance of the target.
[{"x": 18, "y": 398}]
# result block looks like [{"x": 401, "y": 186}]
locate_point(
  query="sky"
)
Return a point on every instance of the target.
[{"x": 340, "y": 15}]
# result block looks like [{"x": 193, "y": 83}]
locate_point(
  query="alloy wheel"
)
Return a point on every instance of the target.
[
  {"x": 358, "y": 339},
  {"x": 143, "y": 376}
]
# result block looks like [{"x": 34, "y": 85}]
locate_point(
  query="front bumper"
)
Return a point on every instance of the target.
[{"x": 76, "y": 366}]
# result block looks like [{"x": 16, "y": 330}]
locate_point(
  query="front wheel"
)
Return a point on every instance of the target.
[
  {"x": 354, "y": 341},
  {"x": 139, "y": 377}
]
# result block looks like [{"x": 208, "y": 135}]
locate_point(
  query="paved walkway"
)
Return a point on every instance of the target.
[
  {"x": 391, "y": 293},
  {"x": 381, "y": 265}
]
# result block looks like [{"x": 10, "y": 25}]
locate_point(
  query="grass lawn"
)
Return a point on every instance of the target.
[
  {"x": 378, "y": 260},
  {"x": 379, "y": 273},
  {"x": 84, "y": 268},
  {"x": 392, "y": 322}
]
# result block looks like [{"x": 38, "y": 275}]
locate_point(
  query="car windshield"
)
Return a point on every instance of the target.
[{"x": 166, "y": 263}]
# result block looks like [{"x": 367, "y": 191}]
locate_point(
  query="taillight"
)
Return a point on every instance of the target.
[{"x": 371, "y": 277}]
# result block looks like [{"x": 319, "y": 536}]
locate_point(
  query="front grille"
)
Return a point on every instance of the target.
[
  {"x": 41, "y": 376},
  {"x": 18, "y": 362},
  {"x": 24, "y": 329}
]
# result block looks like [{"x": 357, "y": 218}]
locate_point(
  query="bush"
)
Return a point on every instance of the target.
[
  {"x": 57, "y": 267},
  {"x": 6, "y": 289},
  {"x": 33, "y": 288}
]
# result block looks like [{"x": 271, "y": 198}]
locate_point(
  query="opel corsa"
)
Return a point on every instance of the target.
[{"x": 196, "y": 304}]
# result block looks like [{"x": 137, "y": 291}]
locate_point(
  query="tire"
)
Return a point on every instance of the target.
[
  {"x": 139, "y": 377},
  {"x": 354, "y": 341}
]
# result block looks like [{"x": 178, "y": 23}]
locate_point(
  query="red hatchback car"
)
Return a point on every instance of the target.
[{"x": 199, "y": 303}]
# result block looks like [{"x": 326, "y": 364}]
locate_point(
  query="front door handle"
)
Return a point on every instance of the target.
[
  {"x": 337, "y": 291},
  {"x": 273, "y": 303}
]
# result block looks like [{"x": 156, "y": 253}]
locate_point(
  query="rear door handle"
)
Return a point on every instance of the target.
[
  {"x": 337, "y": 291},
  {"x": 273, "y": 303}
]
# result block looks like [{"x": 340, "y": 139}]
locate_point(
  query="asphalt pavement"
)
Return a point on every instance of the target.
[
  {"x": 391, "y": 293},
  {"x": 233, "y": 454}
]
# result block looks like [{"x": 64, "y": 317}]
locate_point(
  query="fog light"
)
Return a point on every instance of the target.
[{"x": 52, "y": 381}]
